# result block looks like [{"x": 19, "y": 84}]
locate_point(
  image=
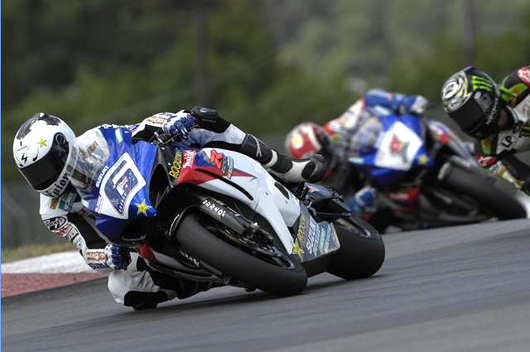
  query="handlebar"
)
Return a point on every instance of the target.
[{"x": 164, "y": 138}]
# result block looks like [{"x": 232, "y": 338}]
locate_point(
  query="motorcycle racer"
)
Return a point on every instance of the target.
[
  {"x": 64, "y": 169},
  {"x": 351, "y": 134},
  {"x": 496, "y": 116}
]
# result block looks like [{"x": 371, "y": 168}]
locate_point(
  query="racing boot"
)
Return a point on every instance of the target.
[
  {"x": 146, "y": 300},
  {"x": 285, "y": 168},
  {"x": 170, "y": 287}
]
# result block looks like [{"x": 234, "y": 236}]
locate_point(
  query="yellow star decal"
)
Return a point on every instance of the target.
[
  {"x": 423, "y": 159},
  {"x": 297, "y": 249},
  {"x": 142, "y": 207},
  {"x": 42, "y": 142}
]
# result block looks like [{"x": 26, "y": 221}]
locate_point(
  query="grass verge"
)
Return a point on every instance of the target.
[{"x": 24, "y": 252}]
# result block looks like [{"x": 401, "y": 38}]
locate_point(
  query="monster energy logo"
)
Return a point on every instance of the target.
[{"x": 478, "y": 82}]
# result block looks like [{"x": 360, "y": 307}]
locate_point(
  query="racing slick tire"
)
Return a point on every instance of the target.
[
  {"x": 237, "y": 264},
  {"x": 494, "y": 199},
  {"x": 362, "y": 250}
]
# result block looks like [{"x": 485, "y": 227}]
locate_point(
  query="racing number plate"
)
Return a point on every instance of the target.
[{"x": 120, "y": 184}]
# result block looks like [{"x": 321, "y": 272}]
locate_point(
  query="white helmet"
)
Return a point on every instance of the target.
[{"x": 45, "y": 151}]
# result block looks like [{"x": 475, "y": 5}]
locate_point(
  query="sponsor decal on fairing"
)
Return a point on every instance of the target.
[
  {"x": 120, "y": 185},
  {"x": 314, "y": 239},
  {"x": 216, "y": 209},
  {"x": 398, "y": 148},
  {"x": 223, "y": 163},
  {"x": 189, "y": 157},
  {"x": 101, "y": 175},
  {"x": 174, "y": 170},
  {"x": 142, "y": 208}
]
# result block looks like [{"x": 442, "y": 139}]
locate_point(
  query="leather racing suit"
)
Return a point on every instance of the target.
[
  {"x": 139, "y": 286},
  {"x": 496, "y": 152}
]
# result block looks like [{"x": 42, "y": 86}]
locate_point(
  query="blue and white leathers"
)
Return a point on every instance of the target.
[
  {"x": 110, "y": 164},
  {"x": 119, "y": 191}
]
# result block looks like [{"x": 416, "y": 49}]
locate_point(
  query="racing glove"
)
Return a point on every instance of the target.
[
  {"x": 118, "y": 258},
  {"x": 178, "y": 124},
  {"x": 413, "y": 104},
  {"x": 363, "y": 202},
  {"x": 499, "y": 169}
]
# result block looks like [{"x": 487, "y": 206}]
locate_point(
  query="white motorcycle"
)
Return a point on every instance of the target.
[{"x": 222, "y": 218}]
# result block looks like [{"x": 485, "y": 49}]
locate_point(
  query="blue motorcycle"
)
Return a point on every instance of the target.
[{"x": 427, "y": 177}]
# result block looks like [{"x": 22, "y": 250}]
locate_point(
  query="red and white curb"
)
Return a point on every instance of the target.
[
  {"x": 49, "y": 271},
  {"x": 63, "y": 262}
]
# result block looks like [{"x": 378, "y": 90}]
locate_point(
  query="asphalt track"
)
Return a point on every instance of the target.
[{"x": 454, "y": 289}]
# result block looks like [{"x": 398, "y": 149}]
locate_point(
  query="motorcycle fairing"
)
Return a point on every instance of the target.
[
  {"x": 314, "y": 239},
  {"x": 441, "y": 131},
  {"x": 121, "y": 191},
  {"x": 447, "y": 137},
  {"x": 400, "y": 148},
  {"x": 238, "y": 176},
  {"x": 199, "y": 166}
]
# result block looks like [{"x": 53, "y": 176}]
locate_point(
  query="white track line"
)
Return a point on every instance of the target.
[{"x": 57, "y": 263}]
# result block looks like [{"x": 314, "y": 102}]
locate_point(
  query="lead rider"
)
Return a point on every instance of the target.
[{"x": 64, "y": 168}]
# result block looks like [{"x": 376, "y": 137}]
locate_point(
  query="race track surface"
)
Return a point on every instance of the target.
[{"x": 454, "y": 289}]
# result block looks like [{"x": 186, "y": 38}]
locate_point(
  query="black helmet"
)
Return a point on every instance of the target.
[{"x": 472, "y": 100}]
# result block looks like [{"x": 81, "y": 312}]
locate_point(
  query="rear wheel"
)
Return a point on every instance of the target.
[
  {"x": 235, "y": 263},
  {"x": 491, "y": 198},
  {"x": 361, "y": 253}
]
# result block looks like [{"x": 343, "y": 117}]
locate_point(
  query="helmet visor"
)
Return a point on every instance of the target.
[
  {"x": 45, "y": 171},
  {"x": 475, "y": 121}
]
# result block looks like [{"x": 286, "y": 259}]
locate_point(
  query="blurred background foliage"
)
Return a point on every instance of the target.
[{"x": 264, "y": 64}]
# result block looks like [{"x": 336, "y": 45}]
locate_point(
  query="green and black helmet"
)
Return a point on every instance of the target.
[{"x": 472, "y": 100}]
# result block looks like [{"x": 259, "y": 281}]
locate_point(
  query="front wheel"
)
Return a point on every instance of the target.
[
  {"x": 235, "y": 263},
  {"x": 490, "y": 197},
  {"x": 361, "y": 253}
]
